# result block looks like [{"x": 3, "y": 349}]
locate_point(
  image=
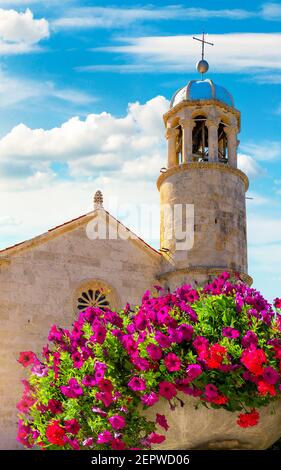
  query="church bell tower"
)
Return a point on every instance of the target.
[{"x": 202, "y": 192}]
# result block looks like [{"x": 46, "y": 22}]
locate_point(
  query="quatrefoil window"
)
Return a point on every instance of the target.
[{"x": 92, "y": 298}]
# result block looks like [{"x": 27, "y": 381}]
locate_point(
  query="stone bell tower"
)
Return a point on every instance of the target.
[{"x": 202, "y": 192}]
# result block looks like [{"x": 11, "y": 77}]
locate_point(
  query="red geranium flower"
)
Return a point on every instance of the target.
[
  {"x": 253, "y": 359},
  {"x": 245, "y": 420},
  {"x": 264, "y": 388},
  {"x": 55, "y": 434}
]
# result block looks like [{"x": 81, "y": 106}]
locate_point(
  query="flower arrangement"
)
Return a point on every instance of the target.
[{"x": 220, "y": 343}]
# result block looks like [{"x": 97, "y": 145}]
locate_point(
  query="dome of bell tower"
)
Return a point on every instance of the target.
[{"x": 202, "y": 90}]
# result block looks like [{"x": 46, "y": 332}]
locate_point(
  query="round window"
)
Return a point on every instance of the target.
[
  {"x": 92, "y": 298},
  {"x": 95, "y": 293}
]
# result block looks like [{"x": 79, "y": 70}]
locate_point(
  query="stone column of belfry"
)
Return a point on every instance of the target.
[
  {"x": 187, "y": 126},
  {"x": 171, "y": 136},
  {"x": 212, "y": 125},
  {"x": 231, "y": 133}
]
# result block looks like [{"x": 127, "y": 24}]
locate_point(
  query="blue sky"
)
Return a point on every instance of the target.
[{"x": 83, "y": 86}]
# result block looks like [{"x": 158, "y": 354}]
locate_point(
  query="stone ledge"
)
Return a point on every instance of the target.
[
  {"x": 201, "y": 103},
  {"x": 207, "y": 271},
  {"x": 206, "y": 166}
]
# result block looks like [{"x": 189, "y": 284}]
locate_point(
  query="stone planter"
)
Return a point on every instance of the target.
[{"x": 202, "y": 428}]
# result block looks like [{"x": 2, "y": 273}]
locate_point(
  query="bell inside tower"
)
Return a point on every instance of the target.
[
  {"x": 200, "y": 144},
  {"x": 222, "y": 143}
]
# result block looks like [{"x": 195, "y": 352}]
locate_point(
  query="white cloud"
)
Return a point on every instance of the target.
[
  {"x": 233, "y": 52},
  {"x": 107, "y": 17},
  {"x": 99, "y": 134},
  {"x": 21, "y": 32},
  {"x": 14, "y": 90},
  {"x": 110, "y": 17},
  {"x": 271, "y": 11},
  {"x": 264, "y": 230},
  {"x": 264, "y": 150},
  {"x": 247, "y": 164}
]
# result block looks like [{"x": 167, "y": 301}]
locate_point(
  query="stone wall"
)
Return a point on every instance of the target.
[
  {"x": 36, "y": 290},
  {"x": 218, "y": 195}
]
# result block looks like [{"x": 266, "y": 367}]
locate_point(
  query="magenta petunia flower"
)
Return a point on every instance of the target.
[
  {"x": 150, "y": 399},
  {"x": 140, "y": 363},
  {"x": 250, "y": 340},
  {"x": 72, "y": 426},
  {"x": 104, "y": 437},
  {"x": 211, "y": 392},
  {"x": 72, "y": 390},
  {"x": 55, "y": 406},
  {"x": 230, "y": 333},
  {"x": 163, "y": 340},
  {"x": 99, "y": 411},
  {"x": 74, "y": 444},
  {"x": 89, "y": 381},
  {"x": 77, "y": 359},
  {"x": 117, "y": 422},
  {"x": 105, "y": 385},
  {"x": 187, "y": 331},
  {"x": 154, "y": 351},
  {"x": 105, "y": 397},
  {"x": 175, "y": 335},
  {"x": 140, "y": 321},
  {"x": 200, "y": 343},
  {"x": 99, "y": 333},
  {"x": 100, "y": 369},
  {"x": 167, "y": 390},
  {"x": 118, "y": 444},
  {"x": 162, "y": 421},
  {"x": 25, "y": 403},
  {"x": 155, "y": 438},
  {"x": 137, "y": 384},
  {"x": 172, "y": 362},
  {"x": 270, "y": 375},
  {"x": 88, "y": 442},
  {"x": 27, "y": 358},
  {"x": 39, "y": 370},
  {"x": 55, "y": 334},
  {"x": 193, "y": 371}
]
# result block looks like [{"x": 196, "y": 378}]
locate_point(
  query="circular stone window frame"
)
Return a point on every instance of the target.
[{"x": 97, "y": 284}]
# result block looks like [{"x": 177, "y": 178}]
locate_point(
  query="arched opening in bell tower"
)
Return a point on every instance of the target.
[
  {"x": 222, "y": 143},
  {"x": 179, "y": 145},
  {"x": 200, "y": 144}
]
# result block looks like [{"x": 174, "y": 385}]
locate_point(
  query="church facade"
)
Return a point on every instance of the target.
[{"x": 48, "y": 279}]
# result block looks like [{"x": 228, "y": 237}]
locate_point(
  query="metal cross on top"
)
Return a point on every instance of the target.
[{"x": 203, "y": 43}]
